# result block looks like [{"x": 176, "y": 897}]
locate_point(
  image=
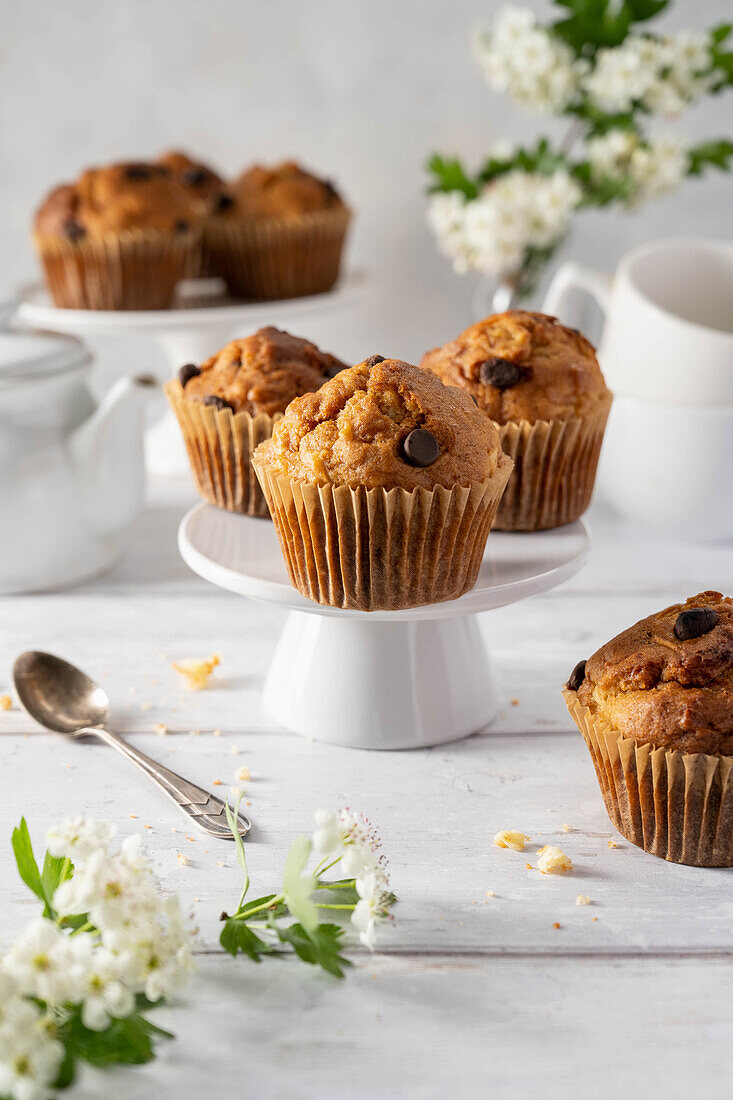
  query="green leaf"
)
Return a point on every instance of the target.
[
  {"x": 237, "y": 937},
  {"x": 715, "y": 154},
  {"x": 299, "y": 886},
  {"x": 56, "y": 869},
  {"x": 278, "y": 909},
  {"x": 342, "y": 891},
  {"x": 238, "y": 841},
  {"x": 26, "y": 861},
  {"x": 128, "y": 1041},
  {"x": 720, "y": 33},
  {"x": 67, "y": 1072},
  {"x": 320, "y": 947},
  {"x": 449, "y": 175},
  {"x": 641, "y": 10}
]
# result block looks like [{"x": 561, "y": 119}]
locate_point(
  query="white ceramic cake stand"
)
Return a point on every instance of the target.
[
  {"x": 202, "y": 322},
  {"x": 380, "y": 679}
]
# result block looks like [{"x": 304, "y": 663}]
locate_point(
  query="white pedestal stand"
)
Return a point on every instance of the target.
[
  {"x": 382, "y": 679},
  {"x": 203, "y": 321}
]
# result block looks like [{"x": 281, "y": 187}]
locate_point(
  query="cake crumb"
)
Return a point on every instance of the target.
[
  {"x": 234, "y": 749},
  {"x": 613, "y": 844},
  {"x": 148, "y": 827},
  {"x": 510, "y": 838},
  {"x": 217, "y": 783},
  {"x": 490, "y": 894},
  {"x": 220, "y": 863},
  {"x": 557, "y": 924},
  {"x": 515, "y": 702},
  {"x": 567, "y": 828},
  {"x": 132, "y": 690},
  {"x": 243, "y": 774},
  {"x": 196, "y": 671},
  {"x": 583, "y": 899},
  {"x": 195, "y": 733},
  {"x": 183, "y": 859},
  {"x": 551, "y": 860},
  {"x": 216, "y": 733},
  {"x": 146, "y": 706},
  {"x": 529, "y": 866},
  {"x": 594, "y": 918},
  {"x": 161, "y": 729},
  {"x": 133, "y": 816},
  {"x": 5, "y": 702}
]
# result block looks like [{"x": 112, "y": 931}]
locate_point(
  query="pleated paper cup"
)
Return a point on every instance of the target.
[
  {"x": 555, "y": 463},
  {"x": 273, "y": 258},
  {"x": 676, "y": 805},
  {"x": 378, "y": 549},
  {"x": 139, "y": 269},
  {"x": 220, "y": 446}
]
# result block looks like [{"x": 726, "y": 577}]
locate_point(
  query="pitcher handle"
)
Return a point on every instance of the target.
[{"x": 572, "y": 276}]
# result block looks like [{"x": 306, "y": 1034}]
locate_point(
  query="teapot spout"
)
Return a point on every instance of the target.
[{"x": 106, "y": 452}]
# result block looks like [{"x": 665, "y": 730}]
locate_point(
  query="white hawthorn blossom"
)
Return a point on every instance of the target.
[
  {"x": 78, "y": 837},
  {"x": 663, "y": 75},
  {"x": 515, "y": 211},
  {"x": 653, "y": 167},
  {"x": 350, "y": 838},
  {"x": 30, "y": 1057},
  {"x": 536, "y": 68},
  {"x": 45, "y": 963}
]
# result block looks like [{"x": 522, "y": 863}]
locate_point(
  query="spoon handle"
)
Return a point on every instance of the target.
[{"x": 204, "y": 808}]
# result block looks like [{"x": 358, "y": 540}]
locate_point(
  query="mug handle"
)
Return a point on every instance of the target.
[{"x": 572, "y": 276}]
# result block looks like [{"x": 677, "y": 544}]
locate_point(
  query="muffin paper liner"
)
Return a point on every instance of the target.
[
  {"x": 378, "y": 549},
  {"x": 676, "y": 805},
  {"x": 555, "y": 464},
  {"x": 271, "y": 258},
  {"x": 135, "y": 270},
  {"x": 220, "y": 445}
]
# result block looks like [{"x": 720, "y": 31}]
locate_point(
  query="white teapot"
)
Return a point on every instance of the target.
[{"x": 71, "y": 471}]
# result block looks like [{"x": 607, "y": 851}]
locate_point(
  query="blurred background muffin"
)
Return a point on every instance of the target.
[
  {"x": 278, "y": 233},
  {"x": 201, "y": 182},
  {"x": 120, "y": 237},
  {"x": 541, "y": 384},
  {"x": 382, "y": 486},
  {"x": 230, "y": 403}
]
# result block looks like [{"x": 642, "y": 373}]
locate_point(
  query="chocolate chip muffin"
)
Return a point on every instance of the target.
[
  {"x": 655, "y": 706},
  {"x": 229, "y": 404},
  {"x": 203, "y": 184},
  {"x": 541, "y": 384},
  {"x": 382, "y": 486},
  {"x": 121, "y": 237},
  {"x": 278, "y": 233}
]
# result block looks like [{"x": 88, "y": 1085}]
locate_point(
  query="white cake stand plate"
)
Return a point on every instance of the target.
[
  {"x": 380, "y": 679},
  {"x": 203, "y": 320}
]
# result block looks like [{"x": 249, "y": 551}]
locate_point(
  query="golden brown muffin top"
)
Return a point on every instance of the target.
[
  {"x": 286, "y": 191},
  {"x": 198, "y": 178},
  {"x": 120, "y": 197},
  {"x": 523, "y": 366},
  {"x": 384, "y": 424},
  {"x": 260, "y": 374},
  {"x": 668, "y": 680}
]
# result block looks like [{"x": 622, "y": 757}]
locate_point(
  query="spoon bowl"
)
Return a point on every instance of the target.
[{"x": 57, "y": 694}]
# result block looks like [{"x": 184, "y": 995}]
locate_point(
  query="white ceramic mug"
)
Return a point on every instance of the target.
[
  {"x": 667, "y": 353},
  {"x": 668, "y": 335}
]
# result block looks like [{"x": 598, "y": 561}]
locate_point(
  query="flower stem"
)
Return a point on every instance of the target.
[
  {"x": 322, "y": 906},
  {"x": 82, "y": 928},
  {"x": 265, "y": 905}
]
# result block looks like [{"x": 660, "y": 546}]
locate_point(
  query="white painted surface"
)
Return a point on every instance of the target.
[{"x": 470, "y": 994}]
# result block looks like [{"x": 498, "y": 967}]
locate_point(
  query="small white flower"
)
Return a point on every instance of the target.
[
  {"x": 44, "y": 963},
  {"x": 371, "y": 909},
  {"x": 78, "y": 837},
  {"x": 103, "y": 993}
]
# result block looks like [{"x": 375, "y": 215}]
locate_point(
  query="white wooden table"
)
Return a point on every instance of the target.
[{"x": 469, "y": 995}]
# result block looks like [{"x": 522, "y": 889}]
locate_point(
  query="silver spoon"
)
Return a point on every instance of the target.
[{"x": 62, "y": 698}]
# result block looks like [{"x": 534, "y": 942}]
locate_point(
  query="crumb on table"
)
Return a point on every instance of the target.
[
  {"x": 583, "y": 899},
  {"x": 510, "y": 838},
  {"x": 551, "y": 860},
  {"x": 196, "y": 671}
]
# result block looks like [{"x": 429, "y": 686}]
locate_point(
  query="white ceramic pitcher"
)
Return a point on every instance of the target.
[
  {"x": 667, "y": 353},
  {"x": 72, "y": 471}
]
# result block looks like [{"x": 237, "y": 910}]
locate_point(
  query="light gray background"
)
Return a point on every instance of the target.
[{"x": 361, "y": 90}]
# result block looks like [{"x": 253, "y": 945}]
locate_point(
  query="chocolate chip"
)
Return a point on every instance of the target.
[
  {"x": 500, "y": 373},
  {"x": 420, "y": 448},
  {"x": 138, "y": 172},
  {"x": 180, "y": 226},
  {"x": 474, "y": 398},
  {"x": 187, "y": 372},
  {"x": 330, "y": 190},
  {"x": 218, "y": 402},
  {"x": 577, "y": 676},
  {"x": 331, "y": 372},
  {"x": 73, "y": 230},
  {"x": 194, "y": 177},
  {"x": 694, "y": 623},
  {"x": 373, "y": 360},
  {"x": 224, "y": 202}
]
